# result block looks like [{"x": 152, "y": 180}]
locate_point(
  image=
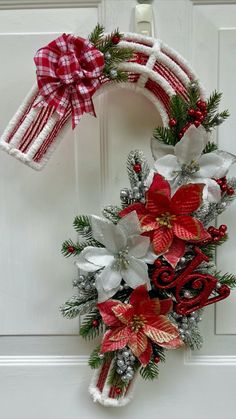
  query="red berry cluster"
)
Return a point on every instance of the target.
[
  {"x": 95, "y": 323},
  {"x": 196, "y": 117},
  {"x": 137, "y": 167},
  {"x": 217, "y": 233},
  {"x": 157, "y": 359},
  {"x": 70, "y": 249},
  {"x": 118, "y": 390},
  {"x": 225, "y": 188},
  {"x": 115, "y": 39}
]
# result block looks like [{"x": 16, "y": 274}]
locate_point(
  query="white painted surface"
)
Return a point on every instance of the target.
[{"x": 43, "y": 372}]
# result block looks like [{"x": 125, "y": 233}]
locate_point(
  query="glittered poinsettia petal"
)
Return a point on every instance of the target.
[
  {"x": 173, "y": 344},
  {"x": 145, "y": 357},
  {"x": 107, "y": 314},
  {"x": 119, "y": 334},
  {"x": 161, "y": 331},
  {"x": 187, "y": 199},
  {"x": 149, "y": 307},
  {"x": 162, "y": 239},
  {"x": 138, "y": 295},
  {"x": 157, "y": 203},
  {"x": 109, "y": 345},
  {"x": 189, "y": 228},
  {"x": 138, "y": 207},
  {"x": 148, "y": 223},
  {"x": 175, "y": 252},
  {"x": 123, "y": 312},
  {"x": 138, "y": 343},
  {"x": 161, "y": 185}
]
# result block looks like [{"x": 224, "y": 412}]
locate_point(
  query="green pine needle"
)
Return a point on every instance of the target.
[
  {"x": 69, "y": 248},
  {"x": 150, "y": 371},
  {"x": 83, "y": 226},
  {"x": 88, "y": 330},
  {"x": 96, "y": 36},
  {"x": 193, "y": 94},
  {"x": 179, "y": 109},
  {"x": 95, "y": 361},
  {"x": 210, "y": 248},
  {"x": 165, "y": 135},
  {"x": 226, "y": 279},
  {"x": 76, "y": 307},
  {"x": 210, "y": 147}
]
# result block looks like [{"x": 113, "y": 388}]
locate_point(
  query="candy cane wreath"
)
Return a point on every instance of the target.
[{"x": 146, "y": 268}]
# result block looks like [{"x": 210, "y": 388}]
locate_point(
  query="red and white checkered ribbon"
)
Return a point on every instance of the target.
[{"x": 68, "y": 71}]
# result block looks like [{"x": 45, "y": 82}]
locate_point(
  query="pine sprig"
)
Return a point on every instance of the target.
[
  {"x": 69, "y": 248},
  {"x": 165, "y": 135},
  {"x": 83, "y": 226},
  {"x": 195, "y": 340},
  {"x": 193, "y": 92},
  {"x": 137, "y": 157},
  {"x": 213, "y": 103},
  {"x": 210, "y": 248},
  {"x": 96, "y": 35},
  {"x": 88, "y": 330},
  {"x": 158, "y": 351},
  {"x": 211, "y": 146},
  {"x": 96, "y": 361},
  {"x": 111, "y": 212},
  {"x": 75, "y": 307},
  {"x": 150, "y": 371},
  {"x": 179, "y": 108},
  {"x": 226, "y": 279},
  {"x": 213, "y": 117}
]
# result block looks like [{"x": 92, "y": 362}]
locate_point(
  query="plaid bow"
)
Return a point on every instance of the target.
[{"x": 68, "y": 71}]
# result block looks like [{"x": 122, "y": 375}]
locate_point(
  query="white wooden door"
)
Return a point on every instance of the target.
[{"x": 43, "y": 362}]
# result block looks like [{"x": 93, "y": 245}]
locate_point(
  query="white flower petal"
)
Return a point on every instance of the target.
[
  {"x": 109, "y": 278},
  {"x": 149, "y": 178},
  {"x": 138, "y": 246},
  {"x": 211, "y": 192},
  {"x": 160, "y": 149},
  {"x": 209, "y": 165},
  {"x": 104, "y": 295},
  {"x": 130, "y": 224},
  {"x": 84, "y": 265},
  {"x": 136, "y": 274},
  {"x": 107, "y": 233},
  {"x": 150, "y": 256},
  {"x": 190, "y": 147},
  {"x": 99, "y": 256},
  {"x": 167, "y": 166},
  {"x": 228, "y": 160}
]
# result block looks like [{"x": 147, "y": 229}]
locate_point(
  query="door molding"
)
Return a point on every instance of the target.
[
  {"x": 13, "y": 361},
  {"x": 212, "y": 2},
  {"x": 47, "y": 4}
]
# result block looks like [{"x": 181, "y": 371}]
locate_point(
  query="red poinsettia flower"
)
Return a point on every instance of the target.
[
  {"x": 137, "y": 324},
  {"x": 167, "y": 220}
]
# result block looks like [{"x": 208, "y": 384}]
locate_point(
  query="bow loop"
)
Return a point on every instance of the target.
[{"x": 68, "y": 72}]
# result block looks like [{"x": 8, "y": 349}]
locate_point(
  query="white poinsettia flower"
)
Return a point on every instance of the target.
[
  {"x": 125, "y": 255},
  {"x": 185, "y": 163}
]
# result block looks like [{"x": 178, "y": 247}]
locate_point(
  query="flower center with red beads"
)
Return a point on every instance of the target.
[{"x": 166, "y": 219}]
